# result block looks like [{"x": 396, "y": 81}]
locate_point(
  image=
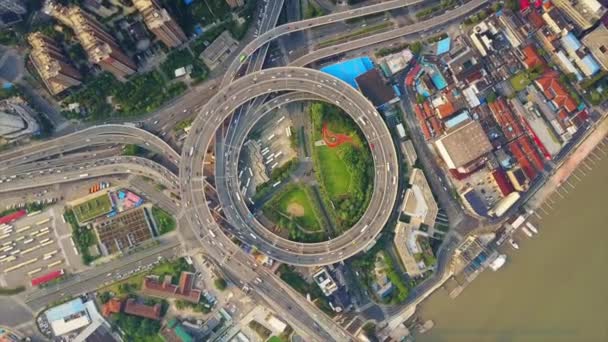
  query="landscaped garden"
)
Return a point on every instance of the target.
[
  {"x": 343, "y": 164},
  {"x": 294, "y": 209},
  {"x": 92, "y": 208}
]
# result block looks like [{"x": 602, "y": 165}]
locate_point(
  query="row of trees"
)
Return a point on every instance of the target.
[
  {"x": 83, "y": 237},
  {"x": 130, "y": 98}
]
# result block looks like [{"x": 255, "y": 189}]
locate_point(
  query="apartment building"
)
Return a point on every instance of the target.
[
  {"x": 100, "y": 46},
  {"x": 52, "y": 64},
  {"x": 159, "y": 21}
]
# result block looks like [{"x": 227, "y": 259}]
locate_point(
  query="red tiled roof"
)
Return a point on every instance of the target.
[
  {"x": 503, "y": 182},
  {"x": 554, "y": 91},
  {"x": 142, "y": 310},
  {"x": 437, "y": 128},
  {"x": 114, "y": 305},
  {"x": 164, "y": 289},
  {"x": 531, "y": 57},
  {"x": 445, "y": 110},
  {"x": 535, "y": 19}
]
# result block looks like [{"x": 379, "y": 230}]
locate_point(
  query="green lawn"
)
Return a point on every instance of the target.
[
  {"x": 520, "y": 81},
  {"x": 275, "y": 339},
  {"x": 92, "y": 208},
  {"x": 297, "y": 195},
  {"x": 334, "y": 171},
  {"x": 164, "y": 221}
]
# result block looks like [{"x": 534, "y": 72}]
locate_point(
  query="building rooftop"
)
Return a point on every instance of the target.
[
  {"x": 373, "y": 86},
  {"x": 165, "y": 289},
  {"x": 175, "y": 332},
  {"x": 531, "y": 57},
  {"x": 222, "y": 46},
  {"x": 597, "y": 43},
  {"x": 114, "y": 305},
  {"x": 142, "y": 310},
  {"x": 123, "y": 231},
  {"x": 349, "y": 70},
  {"x": 554, "y": 91},
  {"x": 463, "y": 144}
]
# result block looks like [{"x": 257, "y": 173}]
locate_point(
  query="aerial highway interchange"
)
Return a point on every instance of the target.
[{"x": 302, "y": 84}]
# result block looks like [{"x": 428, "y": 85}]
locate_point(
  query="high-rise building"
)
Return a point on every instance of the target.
[
  {"x": 15, "y": 6},
  {"x": 100, "y": 46},
  {"x": 52, "y": 65},
  {"x": 235, "y": 3},
  {"x": 584, "y": 13},
  {"x": 159, "y": 21}
]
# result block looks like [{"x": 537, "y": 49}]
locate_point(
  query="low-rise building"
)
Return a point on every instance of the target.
[
  {"x": 464, "y": 147},
  {"x": 183, "y": 290},
  {"x": 141, "y": 310},
  {"x": 375, "y": 88},
  {"x": 174, "y": 331},
  {"x": 219, "y": 49},
  {"x": 555, "y": 92},
  {"x": 597, "y": 43},
  {"x": 582, "y": 58},
  {"x": 324, "y": 280},
  {"x": 396, "y": 62},
  {"x": 123, "y": 231},
  {"x": 68, "y": 317}
]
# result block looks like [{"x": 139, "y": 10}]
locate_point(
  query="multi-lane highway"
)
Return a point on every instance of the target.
[
  {"x": 101, "y": 167},
  {"x": 419, "y": 27},
  {"x": 96, "y": 135},
  {"x": 249, "y": 230},
  {"x": 284, "y": 29},
  {"x": 197, "y": 218}
]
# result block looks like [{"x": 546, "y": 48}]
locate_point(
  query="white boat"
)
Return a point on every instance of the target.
[
  {"x": 513, "y": 244},
  {"x": 526, "y": 231},
  {"x": 499, "y": 262},
  {"x": 532, "y": 228}
]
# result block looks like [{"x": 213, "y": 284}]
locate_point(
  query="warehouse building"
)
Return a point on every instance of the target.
[{"x": 464, "y": 147}]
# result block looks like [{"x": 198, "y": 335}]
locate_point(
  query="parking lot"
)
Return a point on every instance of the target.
[
  {"x": 273, "y": 136},
  {"x": 34, "y": 245}
]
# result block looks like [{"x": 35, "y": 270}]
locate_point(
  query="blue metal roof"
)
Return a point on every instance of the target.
[
  {"x": 65, "y": 309},
  {"x": 591, "y": 64},
  {"x": 455, "y": 120},
  {"x": 476, "y": 203},
  {"x": 348, "y": 70},
  {"x": 571, "y": 42}
]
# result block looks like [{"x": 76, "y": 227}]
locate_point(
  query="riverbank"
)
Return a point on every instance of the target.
[{"x": 552, "y": 289}]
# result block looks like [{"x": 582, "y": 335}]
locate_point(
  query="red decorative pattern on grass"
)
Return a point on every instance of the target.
[{"x": 334, "y": 139}]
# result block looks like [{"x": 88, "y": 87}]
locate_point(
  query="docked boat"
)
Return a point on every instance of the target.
[
  {"x": 499, "y": 262},
  {"x": 514, "y": 244},
  {"x": 526, "y": 231},
  {"x": 532, "y": 228}
]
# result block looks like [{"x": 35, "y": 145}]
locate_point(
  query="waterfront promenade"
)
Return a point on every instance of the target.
[
  {"x": 579, "y": 160},
  {"x": 550, "y": 289}
]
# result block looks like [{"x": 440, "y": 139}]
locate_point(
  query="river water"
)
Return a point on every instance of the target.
[{"x": 555, "y": 288}]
